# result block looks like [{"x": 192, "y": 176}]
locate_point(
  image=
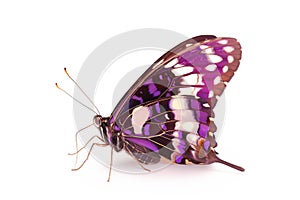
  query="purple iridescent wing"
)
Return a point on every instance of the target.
[{"x": 168, "y": 112}]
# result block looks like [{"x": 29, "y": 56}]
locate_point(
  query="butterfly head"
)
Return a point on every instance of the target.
[
  {"x": 102, "y": 124},
  {"x": 97, "y": 120}
]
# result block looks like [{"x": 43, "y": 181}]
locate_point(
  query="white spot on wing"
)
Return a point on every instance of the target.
[
  {"x": 167, "y": 116},
  {"x": 202, "y": 47},
  {"x": 178, "y": 65},
  {"x": 176, "y": 134},
  {"x": 182, "y": 70},
  {"x": 192, "y": 79},
  {"x": 209, "y": 50},
  {"x": 217, "y": 80},
  {"x": 178, "y": 103},
  {"x": 192, "y": 138},
  {"x": 184, "y": 115},
  {"x": 191, "y": 127},
  {"x": 214, "y": 58},
  {"x": 211, "y": 67},
  {"x": 189, "y": 91},
  {"x": 223, "y": 42},
  {"x": 176, "y": 144},
  {"x": 139, "y": 116},
  {"x": 228, "y": 49},
  {"x": 171, "y": 63},
  {"x": 230, "y": 59},
  {"x": 225, "y": 69},
  {"x": 210, "y": 94},
  {"x": 206, "y": 105},
  {"x": 186, "y": 91}
]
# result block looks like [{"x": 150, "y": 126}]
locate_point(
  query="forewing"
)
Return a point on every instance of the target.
[{"x": 169, "y": 110}]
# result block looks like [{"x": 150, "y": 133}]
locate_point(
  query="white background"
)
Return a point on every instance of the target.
[{"x": 261, "y": 130}]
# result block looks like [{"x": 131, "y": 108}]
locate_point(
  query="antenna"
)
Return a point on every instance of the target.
[
  {"x": 82, "y": 90},
  {"x": 76, "y": 99}
]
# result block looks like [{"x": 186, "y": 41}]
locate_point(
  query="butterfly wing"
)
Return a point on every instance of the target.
[{"x": 169, "y": 110}]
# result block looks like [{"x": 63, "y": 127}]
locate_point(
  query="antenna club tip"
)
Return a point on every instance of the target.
[
  {"x": 57, "y": 85},
  {"x": 67, "y": 72}
]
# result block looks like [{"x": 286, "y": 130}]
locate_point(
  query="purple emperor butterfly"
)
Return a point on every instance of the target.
[{"x": 168, "y": 112}]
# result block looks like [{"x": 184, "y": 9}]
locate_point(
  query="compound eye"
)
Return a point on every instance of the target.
[{"x": 97, "y": 120}]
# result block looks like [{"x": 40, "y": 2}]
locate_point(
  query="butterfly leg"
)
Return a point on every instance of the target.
[
  {"x": 86, "y": 144},
  {"x": 76, "y": 140},
  {"x": 89, "y": 153},
  {"x": 110, "y": 164}
]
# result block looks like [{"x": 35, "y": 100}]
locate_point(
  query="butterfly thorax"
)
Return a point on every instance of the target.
[{"x": 108, "y": 135}]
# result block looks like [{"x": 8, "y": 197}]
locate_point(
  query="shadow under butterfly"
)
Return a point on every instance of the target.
[{"x": 168, "y": 112}]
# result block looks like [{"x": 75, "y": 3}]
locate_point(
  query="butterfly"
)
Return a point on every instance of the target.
[{"x": 169, "y": 111}]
